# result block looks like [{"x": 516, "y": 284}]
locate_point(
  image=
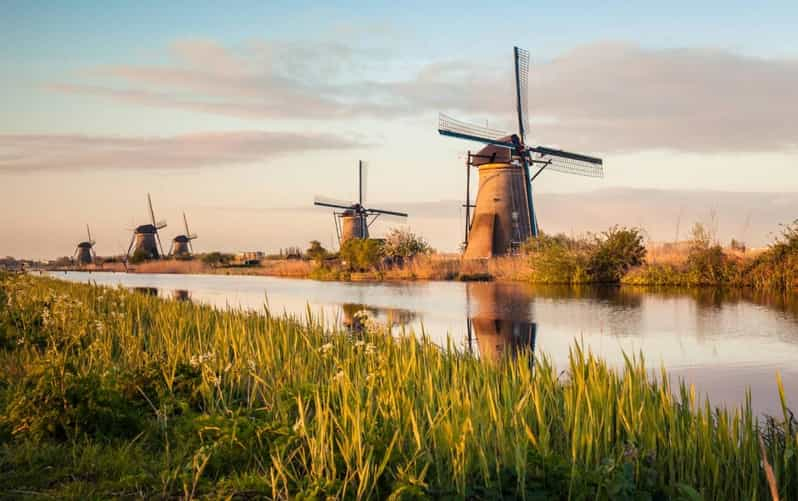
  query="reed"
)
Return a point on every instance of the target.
[{"x": 108, "y": 393}]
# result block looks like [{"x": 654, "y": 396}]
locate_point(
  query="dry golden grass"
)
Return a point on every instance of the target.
[
  {"x": 172, "y": 266},
  {"x": 294, "y": 268},
  {"x": 453, "y": 267},
  {"x": 675, "y": 253}
]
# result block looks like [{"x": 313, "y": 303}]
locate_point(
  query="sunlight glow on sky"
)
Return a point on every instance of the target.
[{"x": 228, "y": 110}]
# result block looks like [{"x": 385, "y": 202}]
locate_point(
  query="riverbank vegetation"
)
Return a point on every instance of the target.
[
  {"x": 105, "y": 393},
  {"x": 616, "y": 256}
]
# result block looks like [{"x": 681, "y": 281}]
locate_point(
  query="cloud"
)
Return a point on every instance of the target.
[
  {"x": 26, "y": 153},
  {"x": 603, "y": 97}
]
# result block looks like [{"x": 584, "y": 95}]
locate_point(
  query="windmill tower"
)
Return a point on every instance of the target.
[
  {"x": 353, "y": 219},
  {"x": 84, "y": 253},
  {"x": 146, "y": 241},
  {"x": 504, "y": 215},
  {"x": 181, "y": 244}
]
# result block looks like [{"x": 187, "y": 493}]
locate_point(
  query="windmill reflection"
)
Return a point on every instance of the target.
[
  {"x": 181, "y": 295},
  {"x": 146, "y": 291},
  {"x": 354, "y": 315},
  {"x": 500, "y": 323}
]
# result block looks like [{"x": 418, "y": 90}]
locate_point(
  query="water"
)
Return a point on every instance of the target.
[{"x": 723, "y": 342}]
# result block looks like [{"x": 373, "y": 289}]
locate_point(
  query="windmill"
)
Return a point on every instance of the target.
[
  {"x": 84, "y": 253},
  {"x": 181, "y": 244},
  {"x": 504, "y": 215},
  {"x": 146, "y": 242},
  {"x": 353, "y": 219}
]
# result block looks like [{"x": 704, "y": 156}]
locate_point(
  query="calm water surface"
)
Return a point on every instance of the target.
[{"x": 723, "y": 342}]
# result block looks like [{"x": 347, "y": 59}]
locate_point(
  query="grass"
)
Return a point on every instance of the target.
[{"x": 107, "y": 393}]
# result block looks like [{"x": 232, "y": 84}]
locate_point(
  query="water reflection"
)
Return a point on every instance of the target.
[
  {"x": 146, "y": 291},
  {"x": 501, "y": 322},
  {"x": 181, "y": 295},
  {"x": 724, "y": 341},
  {"x": 354, "y": 314}
]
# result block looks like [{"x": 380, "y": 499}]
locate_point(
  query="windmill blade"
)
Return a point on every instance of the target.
[
  {"x": 160, "y": 247},
  {"x": 521, "y": 84},
  {"x": 185, "y": 222},
  {"x": 331, "y": 202},
  {"x": 363, "y": 172},
  {"x": 448, "y": 126},
  {"x": 386, "y": 212},
  {"x": 88, "y": 231},
  {"x": 567, "y": 162},
  {"x": 160, "y": 224},
  {"x": 152, "y": 212},
  {"x": 133, "y": 239},
  {"x": 191, "y": 247}
]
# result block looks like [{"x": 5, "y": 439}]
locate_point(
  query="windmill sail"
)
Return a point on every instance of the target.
[
  {"x": 387, "y": 212},
  {"x": 567, "y": 162},
  {"x": 521, "y": 82},
  {"x": 332, "y": 202},
  {"x": 449, "y": 126}
]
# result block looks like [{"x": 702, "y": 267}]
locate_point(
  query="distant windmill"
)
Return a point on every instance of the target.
[
  {"x": 181, "y": 244},
  {"x": 355, "y": 218},
  {"x": 504, "y": 215},
  {"x": 84, "y": 253},
  {"x": 146, "y": 241}
]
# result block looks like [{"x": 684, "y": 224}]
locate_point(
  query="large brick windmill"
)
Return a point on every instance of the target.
[{"x": 504, "y": 215}]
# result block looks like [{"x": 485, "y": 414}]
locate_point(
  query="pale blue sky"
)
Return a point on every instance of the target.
[{"x": 105, "y": 101}]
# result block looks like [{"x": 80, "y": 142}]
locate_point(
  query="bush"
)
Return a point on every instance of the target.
[
  {"x": 706, "y": 262},
  {"x": 362, "y": 254},
  {"x": 316, "y": 252},
  {"x": 402, "y": 245},
  {"x": 604, "y": 258},
  {"x": 217, "y": 259},
  {"x": 777, "y": 268},
  {"x": 616, "y": 252}
]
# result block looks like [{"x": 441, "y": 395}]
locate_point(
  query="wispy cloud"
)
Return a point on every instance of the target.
[
  {"x": 28, "y": 153},
  {"x": 606, "y": 97}
]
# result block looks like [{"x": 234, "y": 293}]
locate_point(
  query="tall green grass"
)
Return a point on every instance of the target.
[{"x": 107, "y": 393}]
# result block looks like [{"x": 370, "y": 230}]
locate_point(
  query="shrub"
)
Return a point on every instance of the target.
[
  {"x": 706, "y": 262},
  {"x": 616, "y": 251},
  {"x": 217, "y": 259},
  {"x": 777, "y": 268},
  {"x": 316, "y": 252},
  {"x": 401, "y": 245},
  {"x": 362, "y": 254},
  {"x": 605, "y": 258}
]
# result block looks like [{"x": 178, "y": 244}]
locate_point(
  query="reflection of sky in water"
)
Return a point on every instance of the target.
[{"x": 720, "y": 342}]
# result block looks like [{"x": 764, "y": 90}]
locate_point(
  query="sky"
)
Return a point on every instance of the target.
[{"x": 239, "y": 114}]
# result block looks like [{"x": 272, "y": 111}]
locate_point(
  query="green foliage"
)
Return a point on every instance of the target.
[
  {"x": 316, "y": 252},
  {"x": 362, "y": 254},
  {"x": 604, "y": 258},
  {"x": 615, "y": 252},
  {"x": 777, "y": 268},
  {"x": 706, "y": 262},
  {"x": 217, "y": 259},
  {"x": 403, "y": 245},
  {"x": 110, "y": 394}
]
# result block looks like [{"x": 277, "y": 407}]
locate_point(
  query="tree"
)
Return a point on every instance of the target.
[
  {"x": 401, "y": 245},
  {"x": 316, "y": 252}
]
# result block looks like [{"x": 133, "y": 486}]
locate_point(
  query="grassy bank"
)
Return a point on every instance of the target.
[{"x": 106, "y": 393}]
